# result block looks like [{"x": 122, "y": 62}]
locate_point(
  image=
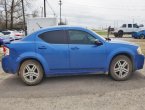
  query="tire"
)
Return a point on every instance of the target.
[
  {"x": 120, "y": 33},
  {"x": 142, "y": 36},
  {"x": 115, "y": 34},
  {"x": 121, "y": 68},
  {"x": 31, "y": 72}
]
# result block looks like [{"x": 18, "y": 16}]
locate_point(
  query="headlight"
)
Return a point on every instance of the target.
[{"x": 139, "y": 51}]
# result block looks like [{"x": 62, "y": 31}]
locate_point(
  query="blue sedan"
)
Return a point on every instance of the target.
[
  {"x": 139, "y": 35},
  {"x": 66, "y": 50}
]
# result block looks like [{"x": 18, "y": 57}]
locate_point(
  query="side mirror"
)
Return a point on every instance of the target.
[{"x": 97, "y": 42}]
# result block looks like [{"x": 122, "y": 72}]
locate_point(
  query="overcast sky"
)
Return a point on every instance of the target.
[{"x": 97, "y": 13}]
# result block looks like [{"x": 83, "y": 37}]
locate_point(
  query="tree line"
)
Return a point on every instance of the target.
[{"x": 11, "y": 13}]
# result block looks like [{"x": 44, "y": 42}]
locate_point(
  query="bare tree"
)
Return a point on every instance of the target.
[
  {"x": 6, "y": 13},
  {"x": 12, "y": 12}
]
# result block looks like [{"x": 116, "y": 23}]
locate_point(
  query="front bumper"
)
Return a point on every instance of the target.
[
  {"x": 139, "y": 62},
  {"x": 135, "y": 35}
]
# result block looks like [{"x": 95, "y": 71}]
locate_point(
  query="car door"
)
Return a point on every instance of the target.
[
  {"x": 84, "y": 54},
  {"x": 53, "y": 47},
  {"x": 136, "y": 28},
  {"x": 130, "y": 28}
]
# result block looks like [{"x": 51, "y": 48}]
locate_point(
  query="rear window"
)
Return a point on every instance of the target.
[
  {"x": 54, "y": 37},
  {"x": 6, "y": 33}
]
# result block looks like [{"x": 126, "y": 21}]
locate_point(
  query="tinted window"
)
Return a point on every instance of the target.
[
  {"x": 135, "y": 26},
  {"x": 55, "y": 37},
  {"x": 6, "y": 33},
  {"x": 80, "y": 37},
  {"x": 129, "y": 25},
  {"x": 124, "y": 25}
]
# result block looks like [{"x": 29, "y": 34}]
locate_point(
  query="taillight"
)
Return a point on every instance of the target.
[{"x": 6, "y": 51}]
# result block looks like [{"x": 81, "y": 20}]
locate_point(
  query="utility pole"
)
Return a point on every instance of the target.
[
  {"x": 44, "y": 8},
  {"x": 24, "y": 21},
  {"x": 60, "y": 3},
  {"x": 41, "y": 11},
  {"x": 6, "y": 14}
]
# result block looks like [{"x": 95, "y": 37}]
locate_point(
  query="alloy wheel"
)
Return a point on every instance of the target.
[
  {"x": 31, "y": 73},
  {"x": 121, "y": 68}
]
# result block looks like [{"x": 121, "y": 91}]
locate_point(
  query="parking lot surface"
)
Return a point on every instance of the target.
[{"x": 91, "y": 92}]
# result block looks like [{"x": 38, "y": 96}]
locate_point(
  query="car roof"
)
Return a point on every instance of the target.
[{"x": 61, "y": 27}]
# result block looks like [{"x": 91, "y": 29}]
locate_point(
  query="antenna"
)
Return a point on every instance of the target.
[{"x": 39, "y": 25}]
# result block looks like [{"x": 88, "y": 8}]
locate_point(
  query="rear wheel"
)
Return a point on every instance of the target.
[
  {"x": 121, "y": 68},
  {"x": 31, "y": 72}
]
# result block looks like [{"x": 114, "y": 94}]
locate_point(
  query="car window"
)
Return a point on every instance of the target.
[
  {"x": 54, "y": 37},
  {"x": 129, "y": 25},
  {"x": 6, "y": 33},
  {"x": 135, "y": 26},
  {"x": 124, "y": 25},
  {"x": 80, "y": 37}
]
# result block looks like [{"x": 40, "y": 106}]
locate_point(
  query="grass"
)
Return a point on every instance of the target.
[
  {"x": 100, "y": 32},
  {"x": 140, "y": 42}
]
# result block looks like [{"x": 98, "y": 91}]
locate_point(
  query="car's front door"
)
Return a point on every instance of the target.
[
  {"x": 53, "y": 47},
  {"x": 84, "y": 54}
]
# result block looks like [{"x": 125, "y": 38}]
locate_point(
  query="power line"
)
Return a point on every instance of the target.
[{"x": 51, "y": 8}]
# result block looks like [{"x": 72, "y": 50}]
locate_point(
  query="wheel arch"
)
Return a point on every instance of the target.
[
  {"x": 39, "y": 59},
  {"x": 120, "y": 31},
  {"x": 122, "y": 53},
  {"x": 26, "y": 59}
]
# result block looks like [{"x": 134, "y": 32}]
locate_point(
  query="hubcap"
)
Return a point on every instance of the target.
[
  {"x": 31, "y": 73},
  {"x": 121, "y": 68}
]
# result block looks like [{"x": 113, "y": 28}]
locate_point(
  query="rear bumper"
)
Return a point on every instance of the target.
[
  {"x": 9, "y": 65},
  {"x": 139, "y": 62}
]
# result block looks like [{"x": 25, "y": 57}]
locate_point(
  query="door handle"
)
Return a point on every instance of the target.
[
  {"x": 41, "y": 47},
  {"x": 74, "y": 48}
]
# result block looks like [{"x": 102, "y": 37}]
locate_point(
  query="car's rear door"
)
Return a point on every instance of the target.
[
  {"x": 53, "y": 47},
  {"x": 84, "y": 54},
  {"x": 130, "y": 28}
]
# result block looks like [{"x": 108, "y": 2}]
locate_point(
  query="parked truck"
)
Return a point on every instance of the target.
[
  {"x": 35, "y": 24},
  {"x": 126, "y": 29}
]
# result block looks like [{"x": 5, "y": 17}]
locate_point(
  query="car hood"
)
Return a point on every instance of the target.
[{"x": 122, "y": 42}]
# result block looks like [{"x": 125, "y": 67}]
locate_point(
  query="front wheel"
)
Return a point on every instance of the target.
[
  {"x": 31, "y": 72},
  {"x": 121, "y": 68},
  {"x": 142, "y": 36},
  {"x": 120, "y": 34},
  {"x": 116, "y": 34}
]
